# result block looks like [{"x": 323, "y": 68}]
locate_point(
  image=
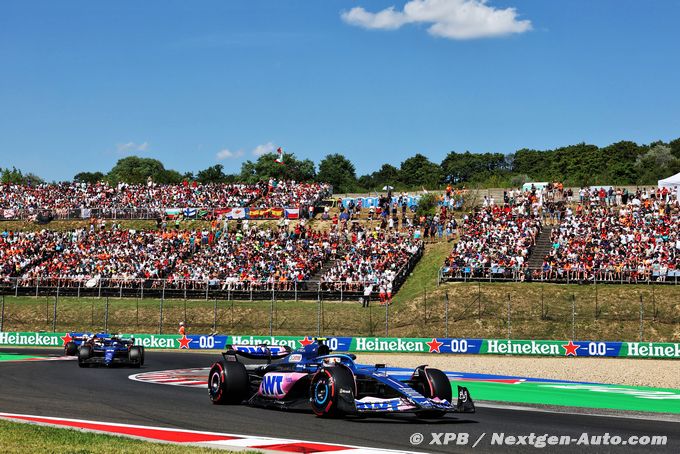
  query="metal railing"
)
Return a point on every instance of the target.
[{"x": 559, "y": 275}]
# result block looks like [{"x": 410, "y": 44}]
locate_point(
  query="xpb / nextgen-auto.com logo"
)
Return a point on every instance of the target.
[{"x": 534, "y": 440}]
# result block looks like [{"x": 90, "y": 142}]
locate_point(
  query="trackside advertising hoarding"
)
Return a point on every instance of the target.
[{"x": 380, "y": 344}]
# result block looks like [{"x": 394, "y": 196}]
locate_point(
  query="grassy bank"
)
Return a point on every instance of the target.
[
  {"x": 538, "y": 311},
  {"x": 29, "y": 438}
]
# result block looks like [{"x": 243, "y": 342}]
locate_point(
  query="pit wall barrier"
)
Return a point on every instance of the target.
[{"x": 662, "y": 350}]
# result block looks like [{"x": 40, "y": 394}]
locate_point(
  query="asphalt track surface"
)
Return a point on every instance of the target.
[{"x": 62, "y": 389}]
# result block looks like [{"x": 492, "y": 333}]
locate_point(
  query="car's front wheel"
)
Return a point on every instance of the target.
[
  {"x": 136, "y": 356},
  {"x": 228, "y": 383},
  {"x": 84, "y": 353},
  {"x": 433, "y": 383},
  {"x": 326, "y": 387}
]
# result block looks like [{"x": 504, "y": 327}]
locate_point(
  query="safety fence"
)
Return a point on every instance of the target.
[{"x": 467, "y": 310}]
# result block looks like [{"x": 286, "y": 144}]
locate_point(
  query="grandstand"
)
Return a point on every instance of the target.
[
  {"x": 547, "y": 234},
  {"x": 598, "y": 234},
  {"x": 248, "y": 262}
]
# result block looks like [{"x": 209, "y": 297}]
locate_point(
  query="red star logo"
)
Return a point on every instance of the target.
[
  {"x": 67, "y": 338},
  {"x": 306, "y": 341},
  {"x": 434, "y": 345},
  {"x": 184, "y": 342},
  {"x": 570, "y": 349}
]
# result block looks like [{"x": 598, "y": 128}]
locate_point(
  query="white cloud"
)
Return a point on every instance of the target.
[
  {"x": 453, "y": 19},
  {"x": 228, "y": 154},
  {"x": 263, "y": 149},
  {"x": 132, "y": 147}
]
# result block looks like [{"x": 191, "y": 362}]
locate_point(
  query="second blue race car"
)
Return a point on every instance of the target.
[{"x": 109, "y": 350}]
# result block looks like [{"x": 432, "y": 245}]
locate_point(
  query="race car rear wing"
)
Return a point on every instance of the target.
[{"x": 262, "y": 351}]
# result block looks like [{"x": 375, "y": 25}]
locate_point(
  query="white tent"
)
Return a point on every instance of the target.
[{"x": 672, "y": 183}]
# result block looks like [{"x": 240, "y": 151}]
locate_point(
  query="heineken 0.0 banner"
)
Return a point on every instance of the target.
[{"x": 378, "y": 344}]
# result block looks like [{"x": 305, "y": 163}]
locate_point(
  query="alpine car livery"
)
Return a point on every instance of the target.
[
  {"x": 332, "y": 384},
  {"x": 108, "y": 350}
]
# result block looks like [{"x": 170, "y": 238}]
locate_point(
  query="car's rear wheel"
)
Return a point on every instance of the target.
[
  {"x": 136, "y": 356},
  {"x": 433, "y": 383},
  {"x": 325, "y": 389},
  {"x": 84, "y": 353},
  {"x": 228, "y": 383},
  {"x": 70, "y": 349}
]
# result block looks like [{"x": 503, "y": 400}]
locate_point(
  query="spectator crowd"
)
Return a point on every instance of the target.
[
  {"x": 615, "y": 236},
  {"x": 598, "y": 233},
  {"x": 62, "y": 199},
  {"x": 495, "y": 241}
]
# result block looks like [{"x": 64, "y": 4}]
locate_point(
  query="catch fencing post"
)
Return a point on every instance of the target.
[
  {"x": 160, "y": 318},
  {"x": 106, "y": 315},
  {"x": 446, "y": 314},
  {"x": 141, "y": 289},
  {"x": 509, "y": 320},
  {"x": 387, "y": 320},
  {"x": 318, "y": 318},
  {"x": 100, "y": 288},
  {"x": 54, "y": 314},
  {"x": 2, "y": 314},
  {"x": 214, "y": 314},
  {"x": 37, "y": 283},
  {"x": 573, "y": 316},
  {"x": 16, "y": 287},
  {"x": 78, "y": 289},
  {"x": 296, "y": 290},
  {"x": 207, "y": 287},
  {"x": 642, "y": 315},
  {"x": 596, "y": 302},
  {"x": 271, "y": 316}
]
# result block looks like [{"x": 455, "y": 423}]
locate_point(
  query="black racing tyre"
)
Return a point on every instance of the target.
[
  {"x": 143, "y": 354},
  {"x": 84, "y": 353},
  {"x": 70, "y": 349},
  {"x": 228, "y": 383},
  {"x": 434, "y": 383},
  {"x": 324, "y": 390},
  {"x": 136, "y": 356}
]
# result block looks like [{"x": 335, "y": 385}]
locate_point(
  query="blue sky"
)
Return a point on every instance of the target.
[{"x": 193, "y": 84}]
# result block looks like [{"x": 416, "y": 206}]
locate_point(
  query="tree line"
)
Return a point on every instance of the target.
[{"x": 621, "y": 163}]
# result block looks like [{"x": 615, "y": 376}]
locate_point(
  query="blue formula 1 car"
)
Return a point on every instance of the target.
[
  {"x": 109, "y": 350},
  {"x": 333, "y": 385},
  {"x": 75, "y": 340}
]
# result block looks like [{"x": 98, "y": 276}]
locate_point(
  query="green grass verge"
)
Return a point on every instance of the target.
[
  {"x": 424, "y": 275},
  {"x": 30, "y": 438}
]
